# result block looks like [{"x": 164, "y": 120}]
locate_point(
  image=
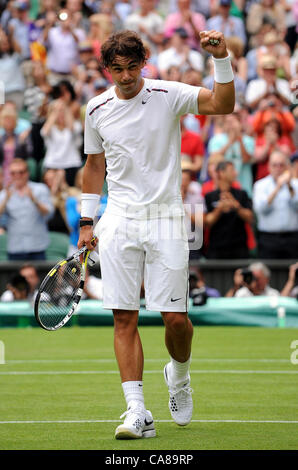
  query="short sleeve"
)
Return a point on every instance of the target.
[
  {"x": 245, "y": 202},
  {"x": 183, "y": 98},
  {"x": 92, "y": 139},
  {"x": 208, "y": 204}
]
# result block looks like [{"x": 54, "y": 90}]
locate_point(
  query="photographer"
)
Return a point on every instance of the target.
[
  {"x": 199, "y": 292},
  {"x": 62, "y": 38},
  {"x": 291, "y": 287},
  {"x": 252, "y": 281},
  {"x": 267, "y": 84},
  {"x": 16, "y": 289}
]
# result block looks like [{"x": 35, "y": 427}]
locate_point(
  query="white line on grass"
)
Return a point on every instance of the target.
[
  {"x": 95, "y": 372},
  {"x": 103, "y": 361},
  {"x": 88, "y": 421}
]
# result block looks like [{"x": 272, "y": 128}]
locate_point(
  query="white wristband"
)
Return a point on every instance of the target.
[
  {"x": 89, "y": 204},
  {"x": 223, "y": 72}
]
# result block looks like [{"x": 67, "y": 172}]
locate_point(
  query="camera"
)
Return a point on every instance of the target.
[
  {"x": 248, "y": 276},
  {"x": 63, "y": 16},
  {"x": 193, "y": 281},
  {"x": 199, "y": 296}
]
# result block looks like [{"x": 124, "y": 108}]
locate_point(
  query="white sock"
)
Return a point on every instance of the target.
[
  {"x": 133, "y": 390},
  {"x": 179, "y": 371}
]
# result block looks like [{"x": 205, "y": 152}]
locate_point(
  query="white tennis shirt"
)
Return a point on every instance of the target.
[{"x": 142, "y": 144}]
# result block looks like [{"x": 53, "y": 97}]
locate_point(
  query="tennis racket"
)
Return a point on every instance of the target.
[{"x": 60, "y": 291}]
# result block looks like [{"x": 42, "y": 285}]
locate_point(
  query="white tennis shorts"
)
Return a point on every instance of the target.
[{"x": 153, "y": 251}]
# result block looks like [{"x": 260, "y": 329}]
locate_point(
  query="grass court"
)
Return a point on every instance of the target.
[{"x": 61, "y": 390}]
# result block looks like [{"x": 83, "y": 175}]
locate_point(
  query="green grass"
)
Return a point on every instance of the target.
[{"x": 232, "y": 376}]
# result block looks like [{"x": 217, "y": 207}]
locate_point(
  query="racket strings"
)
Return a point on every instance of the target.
[{"x": 59, "y": 294}]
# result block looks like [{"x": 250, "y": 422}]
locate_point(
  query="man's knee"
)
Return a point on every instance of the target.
[
  {"x": 176, "y": 321},
  {"x": 125, "y": 320}
]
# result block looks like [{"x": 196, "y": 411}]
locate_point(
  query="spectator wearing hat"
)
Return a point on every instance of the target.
[
  {"x": 19, "y": 27},
  {"x": 267, "y": 84},
  {"x": 188, "y": 19},
  {"x": 148, "y": 23},
  {"x": 274, "y": 46},
  {"x": 86, "y": 51},
  {"x": 179, "y": 54},
  {"x": 275, "y": 202},
  {"x": 226, "y": 23}
]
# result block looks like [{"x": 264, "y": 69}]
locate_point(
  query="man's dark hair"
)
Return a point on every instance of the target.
[
  {"x": 221, "y": 166},
  {"x": 19, "y": 282},
  {"x": 125, "y": 44}
]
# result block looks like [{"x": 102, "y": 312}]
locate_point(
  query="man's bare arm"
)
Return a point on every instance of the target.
[
  {"x": 221, "y": 100},
  {"x": 93, "y": 180},
  {"x": 94, "y": 174}
]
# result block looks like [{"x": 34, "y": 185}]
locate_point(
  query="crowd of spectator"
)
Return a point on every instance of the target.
[{"x": 239, "y": 171}]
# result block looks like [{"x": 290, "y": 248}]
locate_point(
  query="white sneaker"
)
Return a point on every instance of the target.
[
  {"x": 138, "y": 423},
  {"x": 180, "y": 402}
]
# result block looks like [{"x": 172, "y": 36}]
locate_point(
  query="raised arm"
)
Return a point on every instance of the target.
[{"x": 221, "y": 100}]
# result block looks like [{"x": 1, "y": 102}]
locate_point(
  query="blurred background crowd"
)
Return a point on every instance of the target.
[{"x": 239, "y": 171}]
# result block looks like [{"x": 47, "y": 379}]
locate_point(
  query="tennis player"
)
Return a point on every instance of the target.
[{"x": 132, "y": 131}]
